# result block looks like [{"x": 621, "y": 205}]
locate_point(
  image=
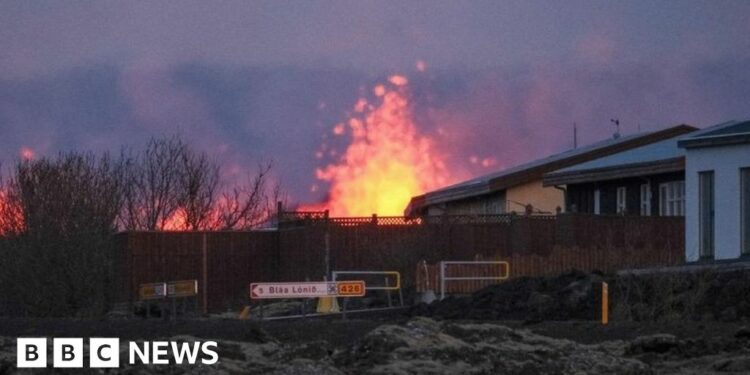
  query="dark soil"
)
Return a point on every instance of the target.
[
  {"x": 587, "y": 332},
  {"x": 693, "y": 296},
  {"x": 335, "y": 332}
]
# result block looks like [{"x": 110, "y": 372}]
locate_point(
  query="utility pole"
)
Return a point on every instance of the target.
[{"x": 575, "y": 135}]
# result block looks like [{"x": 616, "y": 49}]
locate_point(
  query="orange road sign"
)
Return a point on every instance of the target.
[
  {"x": 350, "y": 288},
  {"x": 182, "y": 288},
  {"x": 152, "y": 291}
]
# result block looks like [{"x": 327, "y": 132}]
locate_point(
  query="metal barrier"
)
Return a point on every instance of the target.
[
  {"x": 386, "y": 284},
  {"x": 444, "y": 278}
]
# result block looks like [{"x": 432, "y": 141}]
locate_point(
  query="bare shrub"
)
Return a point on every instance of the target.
[{"x": 60, "y": 262}]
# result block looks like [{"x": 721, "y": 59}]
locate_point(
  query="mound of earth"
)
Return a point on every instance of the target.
[
  {"x": 425, "y": 346},
  {"x": 571, "y": 296},
  {"x": 703, "y": 295}
]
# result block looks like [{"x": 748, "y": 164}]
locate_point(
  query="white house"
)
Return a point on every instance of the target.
[{"x": 717, "y": 182}]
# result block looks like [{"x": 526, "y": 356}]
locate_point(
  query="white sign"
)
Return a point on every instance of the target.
[{"x": 311, "y": 289}]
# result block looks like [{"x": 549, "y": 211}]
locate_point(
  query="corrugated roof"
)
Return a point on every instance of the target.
[
  {"x": 726, "y": 133},
  {"x": 662, "y": 150},
  {"x": 543, "y": 161},
  {"x": 534, "y": 170},
  {"x": 737, "y": 127}
]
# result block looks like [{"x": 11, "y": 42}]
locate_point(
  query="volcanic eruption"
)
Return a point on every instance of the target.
[{"x": 387, "y": 160}]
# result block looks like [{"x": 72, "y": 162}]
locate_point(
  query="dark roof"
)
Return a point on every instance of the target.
[
  {"x": 616, "y": 172},
  {"x": 727, "y": 133},
  {"x": 534, "y": 170},
  {"x": 658, "y": 157}
]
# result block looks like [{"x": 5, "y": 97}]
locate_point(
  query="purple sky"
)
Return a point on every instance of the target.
[{"x": 250, "y": 81}]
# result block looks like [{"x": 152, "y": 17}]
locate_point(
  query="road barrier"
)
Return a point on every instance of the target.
[
  {"x": 460, "y": 277},
  {"x": 386, "y": 286}
]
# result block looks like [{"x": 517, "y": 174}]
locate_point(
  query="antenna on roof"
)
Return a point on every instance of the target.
[
  {"x": 575, "y": 135},
  {"x": 617, "y": 125}
]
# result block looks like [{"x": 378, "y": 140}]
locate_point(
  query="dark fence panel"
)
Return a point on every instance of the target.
[
  {"x": 222, "y": 262},
  {"x": 225, "y": 263}
]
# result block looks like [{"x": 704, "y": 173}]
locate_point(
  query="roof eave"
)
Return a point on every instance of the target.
[
  {"x": 714, "y": 141},
  {"x": 615, "y": 172}
]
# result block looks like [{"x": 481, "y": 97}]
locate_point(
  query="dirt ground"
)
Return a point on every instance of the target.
[
  {"x": 401, "y": 344},
  {"x": 337, "y": 332},
  {"x": 695, "y": 324}
]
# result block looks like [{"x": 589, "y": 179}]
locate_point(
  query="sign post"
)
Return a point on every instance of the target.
[
  {"x": 172, "y": 290},
  {"x": 149, "y": 292},
  {"x": 181, "y": 289}
]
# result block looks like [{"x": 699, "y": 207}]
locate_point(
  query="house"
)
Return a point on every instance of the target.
[
  {"x": 717, "y": 178},
  {"x": 520, "y": 188},
  {"x": 646, "y": 180}
]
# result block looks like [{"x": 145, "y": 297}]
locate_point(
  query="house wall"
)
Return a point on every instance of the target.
[
  {"x": 542, "y": 198},
  {"x": 582, "y": 195},
  {"x": 725, "y": 161}
]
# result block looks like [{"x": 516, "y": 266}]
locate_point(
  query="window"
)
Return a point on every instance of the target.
[
  {"x": 706, "y": 213},
  {"x": 597, "y": 202},
  {"x": 622, "y": 194},
  {"x": 645, "y": 200},
  {"x": 745, "y": 209},
  {"x": 672, "y": 198}
]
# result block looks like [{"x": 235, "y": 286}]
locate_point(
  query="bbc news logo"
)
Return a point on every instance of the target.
[{"x": 105, "y": 353}]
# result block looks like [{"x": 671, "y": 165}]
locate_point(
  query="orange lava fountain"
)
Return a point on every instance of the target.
[{"x": 387, "y": 161}]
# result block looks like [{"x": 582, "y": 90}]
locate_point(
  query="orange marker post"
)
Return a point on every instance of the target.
[{"x": 605, "y": 303}]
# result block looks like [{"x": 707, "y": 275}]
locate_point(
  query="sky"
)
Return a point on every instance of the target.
[{"x": 248, "y": 82}]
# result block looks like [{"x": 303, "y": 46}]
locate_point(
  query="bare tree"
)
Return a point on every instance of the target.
[
  {"x": 246, "y": 206},
  {"x": 152, "y": 187},
  {"x": 199, "y": 179}
]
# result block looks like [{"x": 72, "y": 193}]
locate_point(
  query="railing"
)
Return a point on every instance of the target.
[
  {"x": 472, "y": 273},
  {"x": 320, "y": 218}
]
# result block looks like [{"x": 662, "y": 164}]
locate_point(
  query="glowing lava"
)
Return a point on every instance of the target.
[
  {"x": 11, "y": 216},
  {"x": 387, "y": 161}
]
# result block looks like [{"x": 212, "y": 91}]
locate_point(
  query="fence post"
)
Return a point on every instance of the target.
[
  {"x": 327, "y": 240},
  {"x": 205, "y": 274},
  {"x": 442, "y": 280}
]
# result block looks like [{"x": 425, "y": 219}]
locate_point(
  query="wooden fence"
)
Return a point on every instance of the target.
[{"x": 224, "y": 263}]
